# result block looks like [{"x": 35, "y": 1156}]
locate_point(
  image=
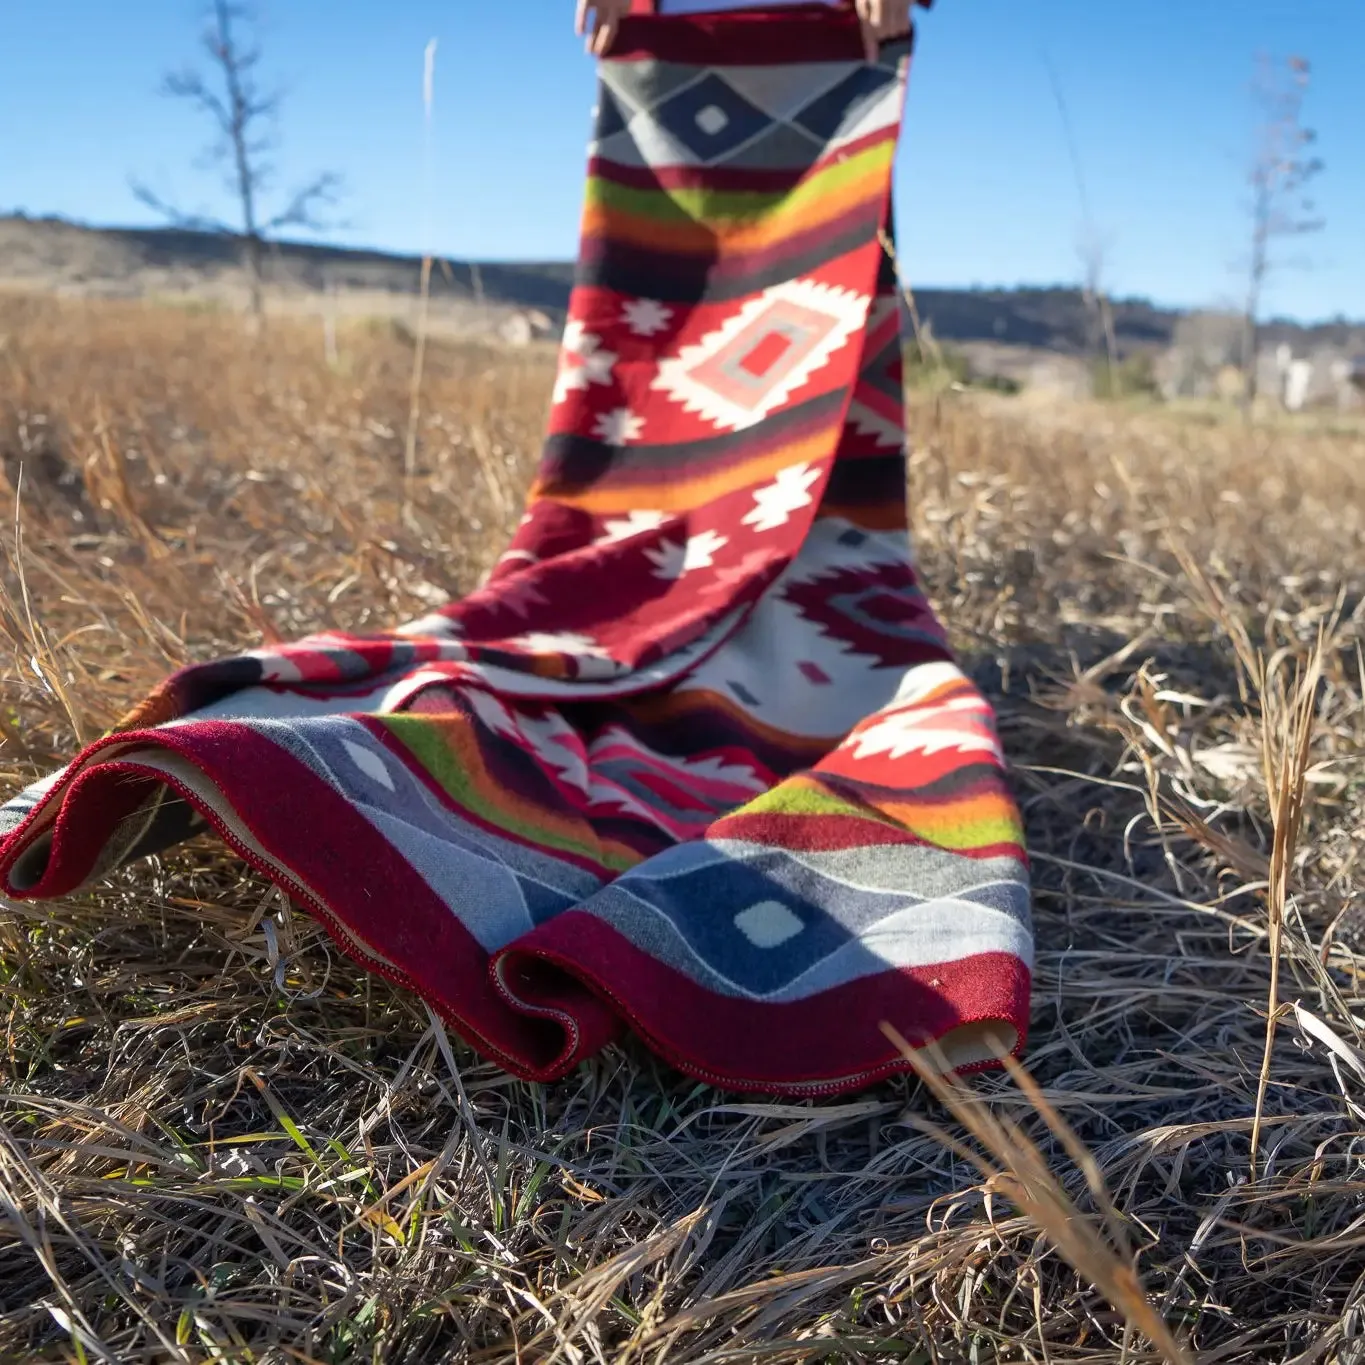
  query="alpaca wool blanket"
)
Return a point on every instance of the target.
[{"x": 696, "y": 761}]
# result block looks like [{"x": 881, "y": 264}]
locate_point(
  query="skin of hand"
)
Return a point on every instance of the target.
[
  {"x": 600, "y": 29},
  {"x": 883, "y": 20},
  {"x": 598, "y": 21}
]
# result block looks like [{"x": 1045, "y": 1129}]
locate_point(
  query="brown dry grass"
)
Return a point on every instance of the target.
[{"x": 219, "y": 1141}]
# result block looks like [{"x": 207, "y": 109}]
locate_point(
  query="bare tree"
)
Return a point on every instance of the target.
[
  {"x": 245, "y": 118},
  {"x": 1093, "y": 249},
  {"x": 1282, "y": 170}
]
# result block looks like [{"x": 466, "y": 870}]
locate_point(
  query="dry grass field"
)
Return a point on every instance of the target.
[{"x": 221, "y": 1142}]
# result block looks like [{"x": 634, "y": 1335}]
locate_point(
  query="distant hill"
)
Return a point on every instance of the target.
[
  {"x": 1041, "y": 318},
  {"x": 55, "y": 254},
  {"x": 137, "y": 262},
  {"x": 1056, "y": 318}
]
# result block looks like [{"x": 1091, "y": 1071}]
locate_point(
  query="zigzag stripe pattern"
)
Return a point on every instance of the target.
[{"x": 697, "y": 759}]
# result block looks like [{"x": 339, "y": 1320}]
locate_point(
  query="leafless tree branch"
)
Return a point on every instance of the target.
[
  {"x": 189, "y": 222},
  {"x": 189, "y": 86},
  {"x": 1093, "y": 250},
  {"x": 301, "y": 211},
  {"x": 245, "y": 117},
  {"x": 1281, "y": 171}
]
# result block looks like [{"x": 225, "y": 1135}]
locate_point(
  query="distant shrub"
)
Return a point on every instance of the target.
[
  {"x": 940, "y": 367},
  {"x": 1133, "y": 377},
  {"x": 934, "y": 367},
  {"x": 996, "y": 383}
]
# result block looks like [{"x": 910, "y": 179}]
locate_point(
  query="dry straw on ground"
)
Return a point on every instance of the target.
[{"x": 220, "y": 1141}]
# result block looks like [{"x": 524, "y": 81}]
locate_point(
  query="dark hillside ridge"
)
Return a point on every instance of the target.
[{"x": 56, "y": 253}]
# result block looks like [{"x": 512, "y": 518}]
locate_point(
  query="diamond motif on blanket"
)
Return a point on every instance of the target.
[
  {"x": 865, "y": 422},
  {"x": 884, "y": 370},
  {"x": 712, "y": 120},
  {"x": 608, "y": 119},
  {"x": 752, "y": 364},
  {"x": 782, "y": 91},
  {"x": 769, "y": 924},
  {"x": 962, "y": 725},
  {"x": 369, "y": 763},
  {"x": 709, "y": 117},
  {"x": 838, "y": 109}
]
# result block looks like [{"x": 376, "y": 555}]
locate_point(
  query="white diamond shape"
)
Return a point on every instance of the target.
[
  {"x": 769, "y": 924},
  {"x": 712, "y": 119},
  {"x": 369, "y": 763}
]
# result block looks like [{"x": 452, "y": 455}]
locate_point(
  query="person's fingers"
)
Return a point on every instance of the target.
[
  {"x": 873, "y": 14},
  {"x": 606, "y": 23},
  {"x": 864, "y": 11},
  {"x": 603, "y": 38},
  {"x": 580, "y": 18},
  {"x": 871, "y": 47},
  {"x": 896, "y": 21},
  {"x": 903, "y": 16}
]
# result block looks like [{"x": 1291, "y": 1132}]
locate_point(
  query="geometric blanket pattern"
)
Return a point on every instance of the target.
[{"x": 696, "y": 761}]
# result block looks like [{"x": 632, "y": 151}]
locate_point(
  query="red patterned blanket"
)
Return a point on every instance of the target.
[{"x": 696, "y": 760}]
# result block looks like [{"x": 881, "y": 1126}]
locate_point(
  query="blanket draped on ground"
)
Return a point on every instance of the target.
[{"x": 696, "y": 760}]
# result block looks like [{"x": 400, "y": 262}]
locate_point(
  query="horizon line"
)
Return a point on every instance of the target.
[{"x": 393, "y": 254}]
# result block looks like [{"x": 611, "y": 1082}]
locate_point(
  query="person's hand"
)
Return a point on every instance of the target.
[
  {"x": 883, "y": 20},
  {"x": 600, "y": 29}
]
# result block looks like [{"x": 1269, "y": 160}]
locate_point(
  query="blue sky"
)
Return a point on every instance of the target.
[{"x": 1157, "y": 92}]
